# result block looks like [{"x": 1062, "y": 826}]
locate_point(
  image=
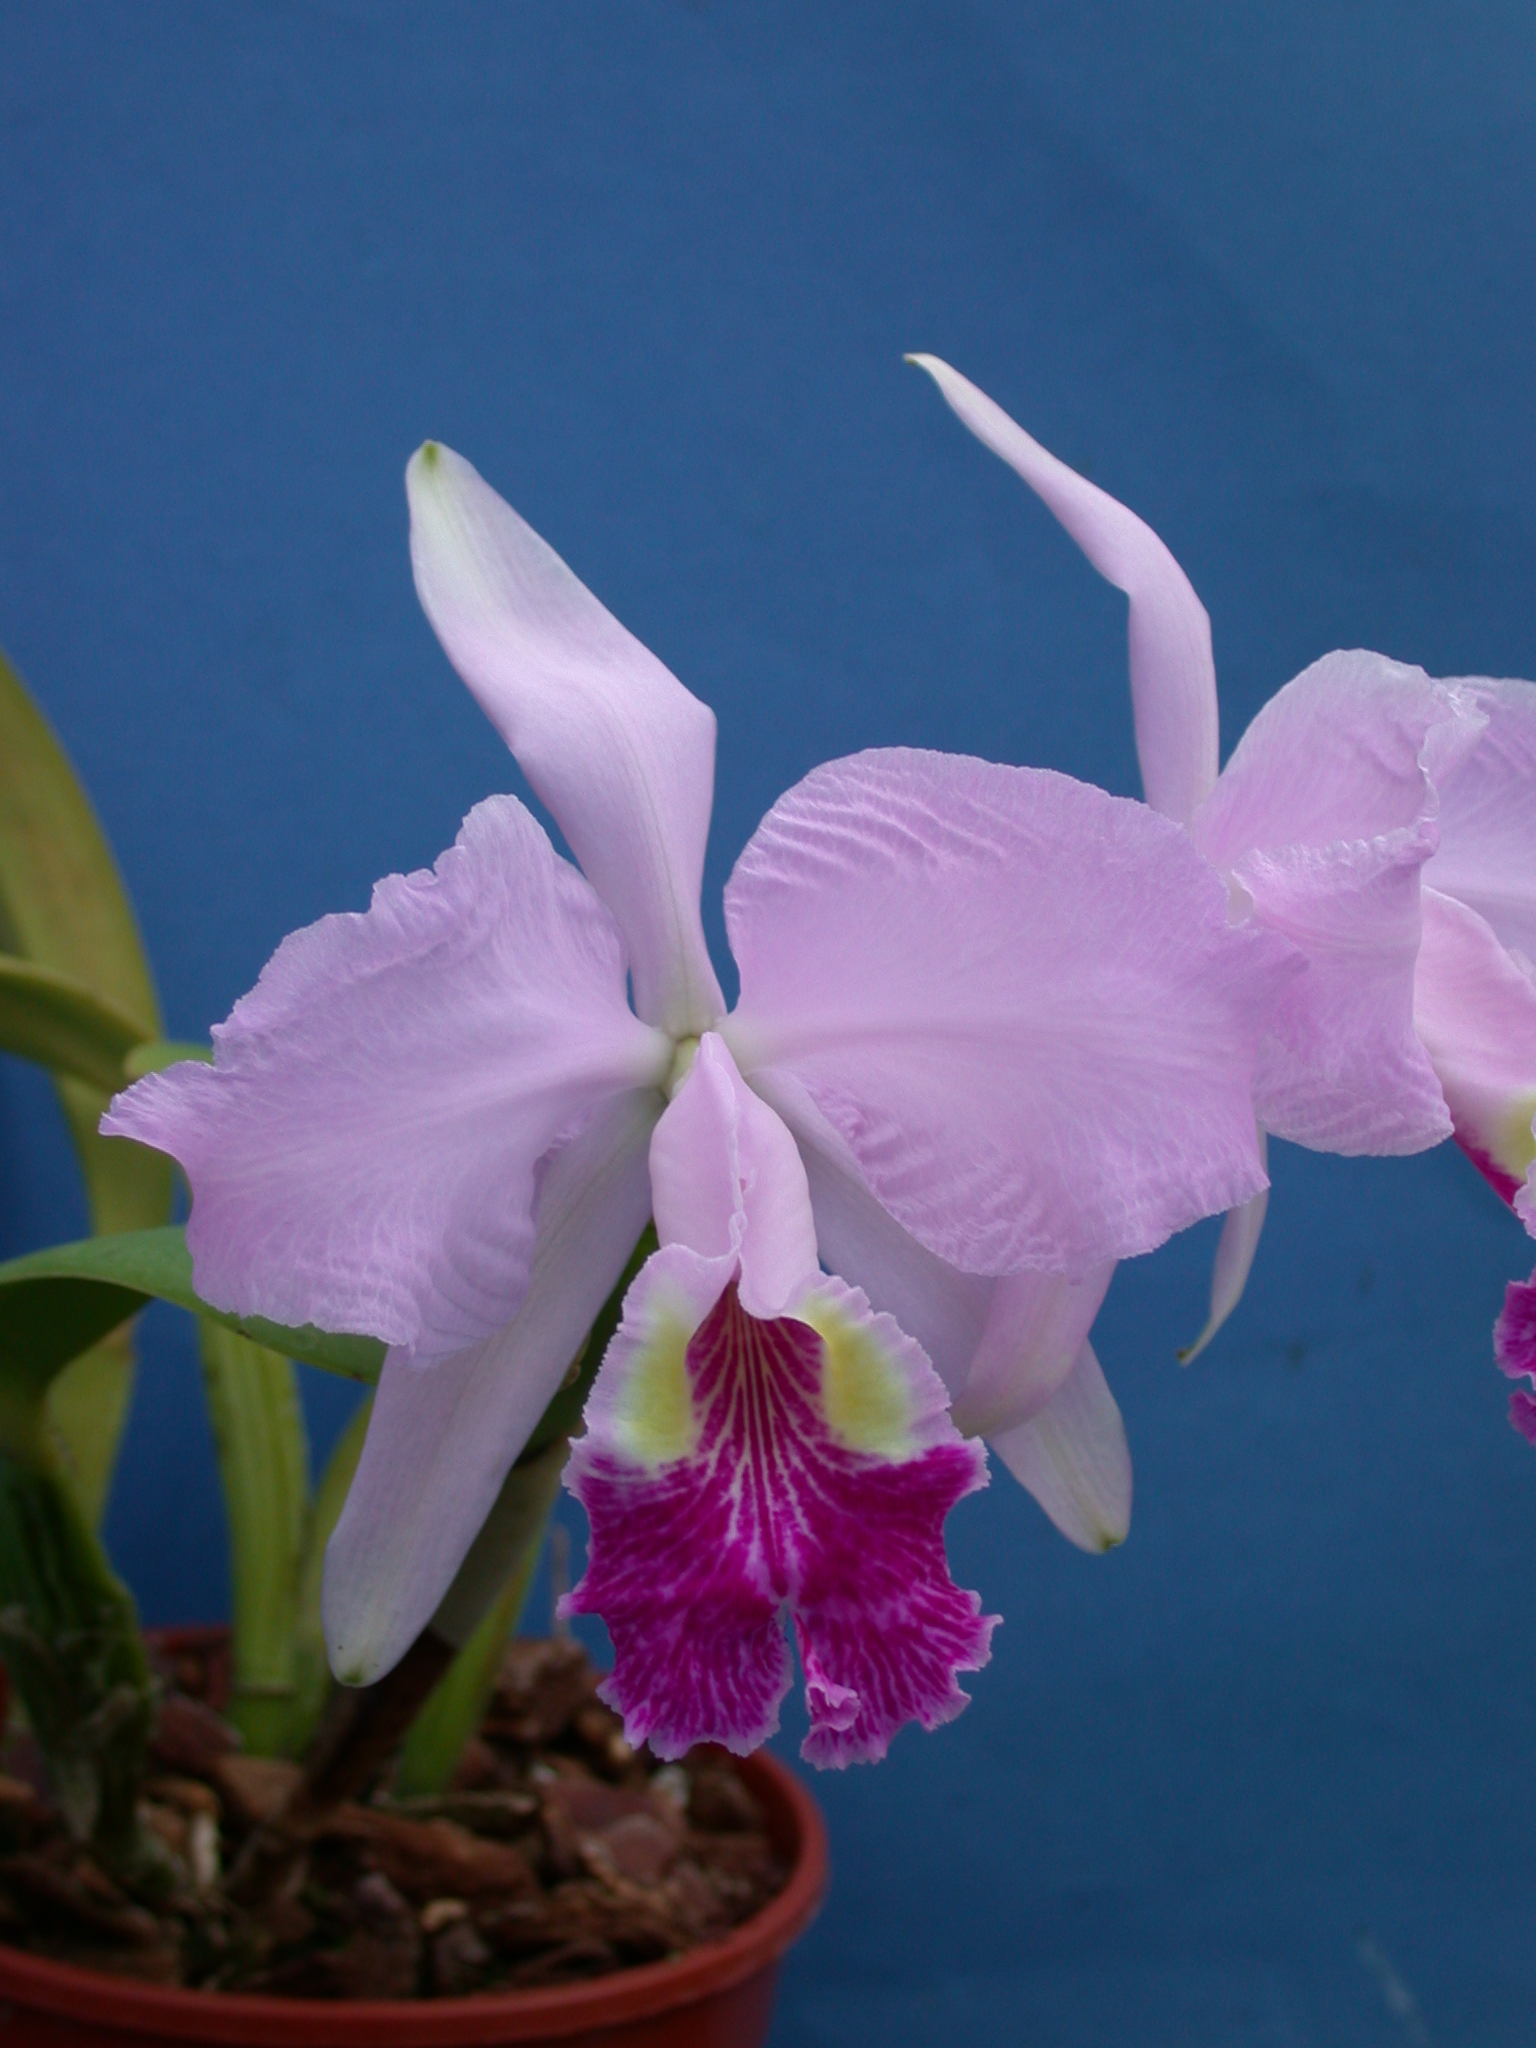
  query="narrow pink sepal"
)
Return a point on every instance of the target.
[
  {"x": 1173, "y": 675},
  {"x": 725, "y": 1484},
  {"x": 622, "y": 754}
]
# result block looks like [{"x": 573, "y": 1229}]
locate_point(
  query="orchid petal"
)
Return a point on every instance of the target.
[
  {"x": 1322, "y": 820},
  {"x": 1017, "y": 1001},
  {"x": 1475, "y": 1009},
  {"x": 442, "y": 1437},
  {"x": 1514, "y": 1346},
  {"x": 733, "y": 1467},
  {"x": 943, "y": 1309},
  {"x": 1342, "y": 1069},
  {"x": 362, "y": 1154},
  {"x": 727, "y": 1181},
  {"x": 1173, "y": 675},
  {"x": 1235, "y": 1250},
  {"x": 1074, "y": 1458},
  {"x": 1347, "y": 751},
  {"x": 1001, "y": 1347},
  {"x": 1487, "y": 856},
  {"x": 621, "y": 753},
  {"x": 1036, "y": 1328}
]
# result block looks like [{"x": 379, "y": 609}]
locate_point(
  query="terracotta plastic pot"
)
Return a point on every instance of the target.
[{"x": 718, "y": 1996}]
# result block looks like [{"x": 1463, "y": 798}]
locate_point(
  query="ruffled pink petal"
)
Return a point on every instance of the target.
[
  {"x": 1347, "y": 751},
  {"x": 1475, "y": 1009},
  {"x": 734, "y": 1468},
  {"x": 1514, "y": 1346},
  {"x": 1173, "y": 677},
  {"x": 728, "y": 1182},
  {"x": 362, "y": 1153},
  {"x": 1016, "y": 1000},
  {"x": 1487, "y": 856},
  {"x": 618, "y": 749},
  {"x": 1322, "y": 820},
  {"x": 443, "y": 1436},
  {"x": 1342, "y": 1068},
  {"x": 1074, "y": 1458}
]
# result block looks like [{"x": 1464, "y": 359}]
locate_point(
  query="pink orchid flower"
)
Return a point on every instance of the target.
[
  {"x": 995, "y": 1032},
  {"x": 1385, "y": 824}
]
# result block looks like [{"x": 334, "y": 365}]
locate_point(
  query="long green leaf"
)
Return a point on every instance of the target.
[
  {"x": 263, "y": 1453},
  {"x": 64, "y": 902},
  {"x": 55, "y": 1020},
  {"x": 313, "y": 1682},
  {"x": 63, "y": 907},
  {"x": 55, "y": 1303},
  {"x": 87, "y": 1406}
]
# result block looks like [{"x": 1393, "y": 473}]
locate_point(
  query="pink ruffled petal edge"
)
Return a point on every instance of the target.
[
  {"x": 1514, "y": 1347},
  {"x": 362, "y": 1154}
]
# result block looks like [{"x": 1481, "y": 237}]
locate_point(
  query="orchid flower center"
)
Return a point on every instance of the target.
[{"x": 683, "y": 1057}]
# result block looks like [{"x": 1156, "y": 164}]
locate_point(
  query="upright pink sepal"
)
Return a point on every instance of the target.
[{"x": 735, "y": 1468}]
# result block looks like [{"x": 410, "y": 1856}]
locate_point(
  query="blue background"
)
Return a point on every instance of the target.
[{"x": 1266, "y": 273}]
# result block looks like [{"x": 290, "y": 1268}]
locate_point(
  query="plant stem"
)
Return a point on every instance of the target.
[{"x": 72, "y": 1645}]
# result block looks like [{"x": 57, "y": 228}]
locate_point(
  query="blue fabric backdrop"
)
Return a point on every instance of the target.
[{"x": 1265, "y": 271}]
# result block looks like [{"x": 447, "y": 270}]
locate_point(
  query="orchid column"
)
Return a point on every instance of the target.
[{"x": 995, "y": 1032}]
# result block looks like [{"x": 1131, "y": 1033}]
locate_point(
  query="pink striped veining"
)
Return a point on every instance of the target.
[{"x": 694, "y": 1562}]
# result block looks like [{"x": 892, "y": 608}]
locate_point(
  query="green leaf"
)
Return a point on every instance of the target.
[
  {"x": 55, "y": 1303},
  {"x": 263, "y": 1453},
  {"x": 313, "y": 1684},
  {"x": 63, "y": 908},
  {"x": 63, "y": 902},
  {"x": 56, "y": 1021},
  {"x": 87, "y": 1407}
]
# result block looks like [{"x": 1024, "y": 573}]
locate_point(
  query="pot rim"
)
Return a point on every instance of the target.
[{"x": 542, "y": 2013}]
